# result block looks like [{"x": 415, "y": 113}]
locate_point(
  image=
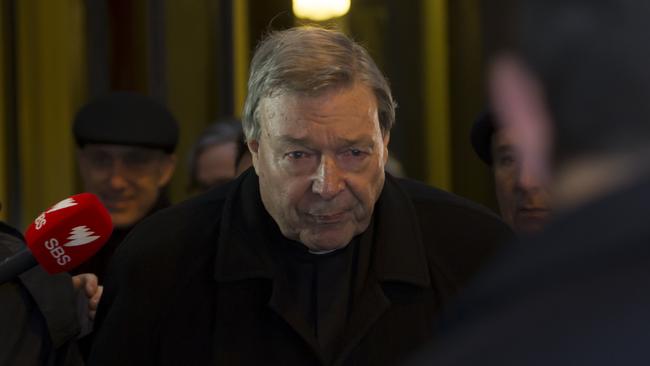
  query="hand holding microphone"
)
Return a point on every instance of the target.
[
  {"x": 62, "y": 237},
  {"x": 88, "y": 284}
]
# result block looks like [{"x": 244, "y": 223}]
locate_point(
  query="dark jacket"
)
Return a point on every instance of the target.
[
  {"x": 579, "y": 294},
  {"x": 38, "y": 313},
  {"x": 98, "y": 263},
  {"x": 195, "y": 284}
]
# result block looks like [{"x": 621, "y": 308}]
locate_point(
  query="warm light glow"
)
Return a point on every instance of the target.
[{"x": 320, "y": 10}]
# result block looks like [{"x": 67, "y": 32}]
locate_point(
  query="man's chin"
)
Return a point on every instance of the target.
[
  {"x": 530, "y": 225},
  {"x": 324, "y": 241}
]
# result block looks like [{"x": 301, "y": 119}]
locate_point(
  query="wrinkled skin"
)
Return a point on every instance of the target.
[{"x": 320, "y": 161}]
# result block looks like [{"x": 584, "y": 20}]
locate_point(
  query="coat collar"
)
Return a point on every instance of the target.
[{"x": 244, "y": 251}]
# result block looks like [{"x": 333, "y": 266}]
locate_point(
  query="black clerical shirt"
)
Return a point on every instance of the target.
[{"x": 320, "y": 285}]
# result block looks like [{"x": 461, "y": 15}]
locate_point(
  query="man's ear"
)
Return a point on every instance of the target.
[
  {"x": 386, "y": 139},
  {"x": 254, "y": 147},
  {"x": 518, "y": 102},
  {"x": 167, "y": 167}
]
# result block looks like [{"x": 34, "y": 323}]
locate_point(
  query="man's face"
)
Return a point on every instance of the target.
[
  {"x": 127, "y": 179},
  {"x": 523, "y": 200},
  {"x": 216, "y": 165},
  {"x": 320, "y": 162}
]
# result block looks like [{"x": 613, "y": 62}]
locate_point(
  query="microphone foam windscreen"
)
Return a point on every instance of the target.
[{"x": 68, "y": 233}]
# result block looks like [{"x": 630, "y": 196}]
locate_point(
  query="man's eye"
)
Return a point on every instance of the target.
[
  {"x": 295, "y": 155},
  {"x": 354, "y": 153},
  {"x": 506, "y": 160},
  {"x": 100, "y": 159}
]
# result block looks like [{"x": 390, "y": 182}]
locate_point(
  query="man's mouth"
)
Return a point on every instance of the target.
[
  {"x": 533, "y": 210},
  {"x": 532, "y": 213},
  {"x": 329, "y": 218},
  {"x": 116, "y": 203}
]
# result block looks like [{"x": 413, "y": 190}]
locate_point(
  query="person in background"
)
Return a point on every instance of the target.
[
  {"x": 523, "y": 199},
  {"x": 574, "y": 89},
  {"x": 126, "y": 144},
  {"x": 316, "y": 255},
  {"x": 213, "y": 158}
]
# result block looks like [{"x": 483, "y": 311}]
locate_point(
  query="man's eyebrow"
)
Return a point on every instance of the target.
[
  {"x": 304, "y": 141},
  {"x": 289, "y": 140},
  {"x": 364, "y": 141}
]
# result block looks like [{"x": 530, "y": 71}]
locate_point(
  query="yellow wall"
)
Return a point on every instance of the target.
[
  {"x": 191, "y": 84},
  {"x": 50, "y": 88},
  {"x": 3, "y": 115},
  {"x": 241, "y": 53},
  {"x": 436, "y": 91}
]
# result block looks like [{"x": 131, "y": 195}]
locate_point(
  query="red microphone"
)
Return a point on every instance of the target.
[{"x": 62, "y": 237}]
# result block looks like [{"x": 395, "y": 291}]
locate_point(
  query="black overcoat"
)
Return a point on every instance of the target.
[
  {"x": 578, "y": 294},
  {"x": 194, "y": 284}
]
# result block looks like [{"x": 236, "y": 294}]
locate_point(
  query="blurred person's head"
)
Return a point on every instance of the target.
[
  {"x": 394, "y": 167},
  {"x": 317, "y": 119},
  {"x": 522, "y": 196},
  {"x": 213, "y": 158},
  {"x": 575, "y": 92},
  {"x": 125, "y": 152}
]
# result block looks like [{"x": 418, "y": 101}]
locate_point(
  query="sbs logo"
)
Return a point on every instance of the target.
[
  {"x": 40, "y": 220},
  {"x": 79, "y": 235}
]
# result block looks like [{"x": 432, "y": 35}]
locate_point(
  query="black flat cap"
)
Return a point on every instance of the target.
[
  {"x": 125, "y": 118},
  {"x": 481, "y": 136}
]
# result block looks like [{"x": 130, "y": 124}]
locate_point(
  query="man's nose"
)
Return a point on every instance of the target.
[
  {"x": 328, "y": 181},
  {"x": 118, "y": 175},
  {"x": 527, "y": 178}
]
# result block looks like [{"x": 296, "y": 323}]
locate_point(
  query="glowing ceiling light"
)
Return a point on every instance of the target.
[{"x": 320, "y": 10}]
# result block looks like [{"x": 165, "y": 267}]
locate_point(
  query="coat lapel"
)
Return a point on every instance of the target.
[
  {"x": 281, "y": 303},
  {"x": 390, "y": 251},
  {"x": 244, "y": 253}
]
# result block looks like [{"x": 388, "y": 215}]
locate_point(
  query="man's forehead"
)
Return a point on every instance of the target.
[{"x": 295, "y": 117}]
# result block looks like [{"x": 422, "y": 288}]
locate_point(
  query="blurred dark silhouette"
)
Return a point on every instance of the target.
[
  {"x": 522, "y": 197},
  {"x": 574, "y": 90}
]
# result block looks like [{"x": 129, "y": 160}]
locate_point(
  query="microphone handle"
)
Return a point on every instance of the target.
[{"x": 18, "y": 263}]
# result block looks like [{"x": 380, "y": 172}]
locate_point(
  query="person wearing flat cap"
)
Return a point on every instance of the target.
[
  {"x": 126, "y": 144},
  {"x": 522, "y": 197}
]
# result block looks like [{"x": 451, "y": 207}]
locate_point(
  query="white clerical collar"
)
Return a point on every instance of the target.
[{"x": 320, "y": 252}]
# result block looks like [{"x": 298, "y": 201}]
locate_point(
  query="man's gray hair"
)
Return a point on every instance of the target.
[{"x": 309, "y": 61}]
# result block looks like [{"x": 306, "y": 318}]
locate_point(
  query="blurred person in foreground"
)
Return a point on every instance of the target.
[
  {"x": 575, "y": 90},
  {"x": 126, "y": 144},
  {"x": 213, "y": 158},
  {"x": 523, "y": 199},
  {"x": 316, "y": 255},
  {"x": 43, "y": 315}
]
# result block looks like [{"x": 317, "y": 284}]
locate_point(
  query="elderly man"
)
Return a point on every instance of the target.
[
  {"x": 314, "y": 257},
  {"x": 523, "y": 199},
  {"x": 126, "y": 157}
]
